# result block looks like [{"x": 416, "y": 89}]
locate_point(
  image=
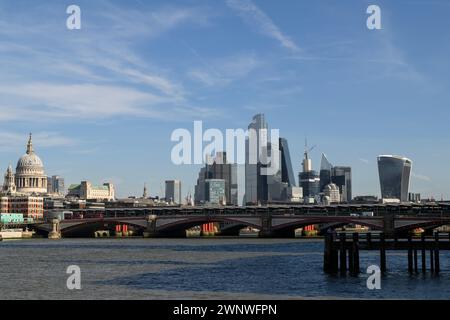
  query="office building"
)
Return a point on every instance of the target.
[
  {"x": 55, "y": 185},
  {"x": 414, "y": 197},
  {"x": 309, "y": 180},
  {"x": 332, "y": 193},
  {"x": 262, "y": 154},
  {"x": 29, "y": 206},
  {"x": 218, "y": 168},
  {"x": 394, "y": 173},
  {"x": 256, "y": 190},
  {"x": 173, "y": 191},
  {"x": 87, "y": 191},
  {"x": 287, "y": 173},
  {"x": 342, "y": 177},
  {"x": 325, "y": 172},
  {"x": 215, "y": 191}
]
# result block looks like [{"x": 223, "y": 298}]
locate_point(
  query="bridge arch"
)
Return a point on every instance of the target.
[
  {"x": 178, "y": 226},
  {"x": 88, "y": 227},
  {"x": 288, "y": 228}
]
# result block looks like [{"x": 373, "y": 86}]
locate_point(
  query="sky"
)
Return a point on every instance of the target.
[{"x": 103, "y": 101}]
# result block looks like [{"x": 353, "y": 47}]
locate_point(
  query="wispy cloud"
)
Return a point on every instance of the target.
[
  {"x": 94, "y": 75},
  {"x": 259, "y": 20},
  {"x": 364, "y": 160},
  {"x": 421, "y": 177},
  {"x": 14, "y": 141},
  {"x": 223, "y": 71},
  {"x": 76, "y": 101}
]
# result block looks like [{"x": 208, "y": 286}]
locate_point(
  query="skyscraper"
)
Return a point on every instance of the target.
[
  {"x": 309, "y": 179},
  {"x": 394, "y": 172},
  {"x": 215, "y": 191},
  {"x": 287, "y": 174},
  {"x": 173, "y": 191},
  {"x": 325, "y": 172},
  {"x": 261, "y": 187},
  {"x": 218, "y": 168},
  {"x": 255, "y": 183},
  {"x": 342, "y": 177}
]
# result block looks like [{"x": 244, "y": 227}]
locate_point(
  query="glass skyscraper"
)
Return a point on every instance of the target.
[
  {"x": 219, "y": 168},
  {"x": 173, "y": 191},
  {"x": 342, "y": 177},
  {"x": 287, "y": 174},
  {"x": 255, "y": 183},
  {"x": 394, "y": 172},
  {"x": 215, "y": 191},
  {"x": 261, "y": 188},
  {"x": 325, "y": 172}
]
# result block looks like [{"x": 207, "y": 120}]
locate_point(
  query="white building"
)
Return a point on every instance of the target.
[
  {"x": 332, "y": 192},
  {"x": 86, "y": 191}
]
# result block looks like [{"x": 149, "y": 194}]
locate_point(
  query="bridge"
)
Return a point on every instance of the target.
[{"x": 272, "y": 220}]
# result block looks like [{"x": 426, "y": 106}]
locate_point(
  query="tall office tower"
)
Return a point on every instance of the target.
[
  {"x": 255, "y": 183},
  {"x": 199, "y": 193},
  {"x": 260, "y": 154},
  {"x": 394, "y": 172},
  {"x": 218, "y": 168},
  {"x": 173, "y": 191},
  {"x": 287, "y": 174},
  {"x": 342, "y": 177},
  {"x": 325, "y": 172},
  {"x": 309, "y": 179}
]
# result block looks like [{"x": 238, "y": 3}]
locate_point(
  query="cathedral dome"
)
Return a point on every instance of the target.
[
  {"x": 30, "y": 175},
  {"x": 29, "y": 161}
]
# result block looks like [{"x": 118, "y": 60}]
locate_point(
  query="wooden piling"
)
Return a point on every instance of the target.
[
  {"x": 382, "y": 253},
  {"x": 343, "y": 254},
  {"x": 327, "y": 253},
  {"x": 351, "y": 261},
  {"x": 415, "y": 260},
  {"x": 424, "y": 261},
  {"x": 431, "y": 260},
  {"x": 437, "y": 267},
  {"x": 355, "y": 245},
  {"x": 410, "y": 257}
]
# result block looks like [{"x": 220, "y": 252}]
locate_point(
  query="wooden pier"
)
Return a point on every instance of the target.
[{"x": 341, "y": 251}]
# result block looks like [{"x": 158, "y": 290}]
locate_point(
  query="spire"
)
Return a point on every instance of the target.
[
  {"x": 30, "y": 146},
  {"x": 144, "y": 195}
]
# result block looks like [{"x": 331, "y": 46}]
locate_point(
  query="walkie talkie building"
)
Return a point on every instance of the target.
[{"x": 394, "y": 172}]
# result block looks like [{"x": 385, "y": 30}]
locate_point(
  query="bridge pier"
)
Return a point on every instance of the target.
[
  {"x": 388, "y": 225},
  {"x": 266, "y": 226},
  {"x": 150, "y": 231},
  {"x": 56, "y": 230}
]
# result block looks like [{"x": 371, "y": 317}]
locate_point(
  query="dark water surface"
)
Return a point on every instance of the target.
[{"x": 207, "y": 268}]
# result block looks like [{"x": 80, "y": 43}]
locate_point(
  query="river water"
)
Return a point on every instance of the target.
[{"x": 205, "y": 268}]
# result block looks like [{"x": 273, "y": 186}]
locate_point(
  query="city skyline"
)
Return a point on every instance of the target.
[{"x": 105, "y": 112}]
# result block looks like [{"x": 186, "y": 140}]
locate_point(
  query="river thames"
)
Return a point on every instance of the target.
[{"x": 200, "y": 268}]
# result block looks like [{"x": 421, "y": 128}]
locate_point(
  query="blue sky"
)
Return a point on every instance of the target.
[{"x": 103, "y": 101}]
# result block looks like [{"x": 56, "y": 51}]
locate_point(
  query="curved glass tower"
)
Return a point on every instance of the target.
[{"x": 394, "y": 172}]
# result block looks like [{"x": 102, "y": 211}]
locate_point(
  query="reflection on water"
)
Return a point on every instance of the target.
[{"x": 199, "y": 268}]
